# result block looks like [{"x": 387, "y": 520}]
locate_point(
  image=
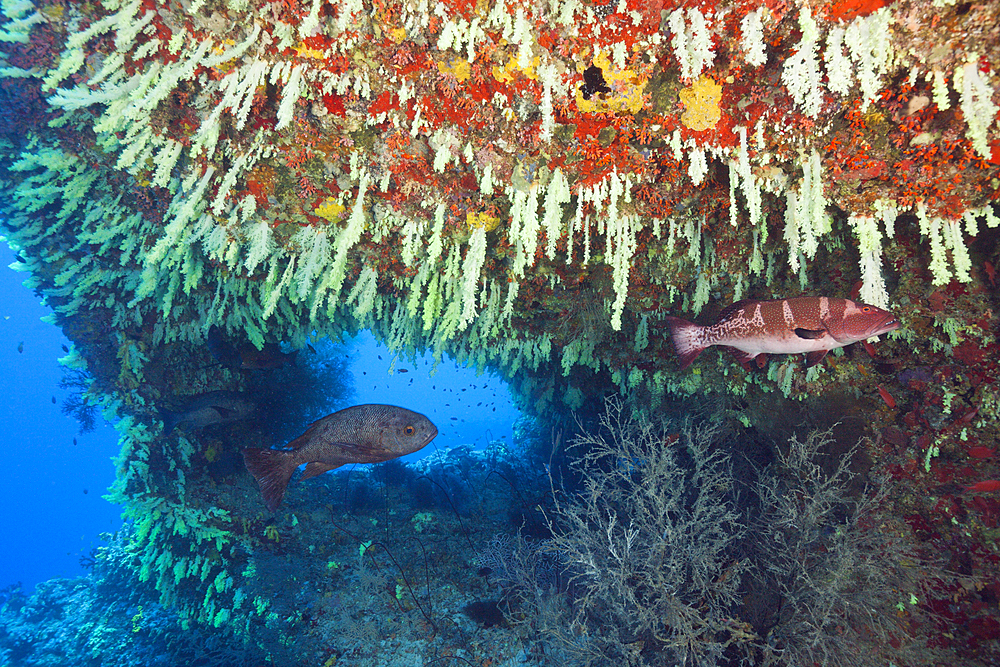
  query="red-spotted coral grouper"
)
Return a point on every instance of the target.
[
  {"x": 360, "y": 434},
  {"x": 810, "y": 324}
]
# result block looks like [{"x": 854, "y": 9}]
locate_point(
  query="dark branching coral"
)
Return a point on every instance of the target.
[
  {"x": 660, "y": 562},
  {"x": 650, "y": 542},
  {"x": 77, "y": 404},
  {"x": 849, "y": 581},
  {"x": 522, "y": 568}
]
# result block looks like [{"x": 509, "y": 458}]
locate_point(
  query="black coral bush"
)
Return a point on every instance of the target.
[
  {"x": 660, "y": 561},
  {"x": 649, "y": 542},
  {"x": 848, "y": 577}
]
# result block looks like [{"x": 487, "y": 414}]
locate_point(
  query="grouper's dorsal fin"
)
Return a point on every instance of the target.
[
  {"x": 733, "y": 308},
  {"x": 316, "y": 468},
  {"x": 810, "y": 334}
]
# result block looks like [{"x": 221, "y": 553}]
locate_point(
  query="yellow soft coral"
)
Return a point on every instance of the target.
[
  {"x": 626, "y": 86},
  {"x": 701, "y": 100}
]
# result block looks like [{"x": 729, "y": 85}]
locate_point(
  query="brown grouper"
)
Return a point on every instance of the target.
[
  {"x": 214, "y": 407},
  {"x": 361, "y": 434},
  {"x": 813, "y": 325}
]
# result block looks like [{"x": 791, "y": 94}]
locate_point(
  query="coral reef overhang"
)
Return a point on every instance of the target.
[{"x": 528, "y": 186}]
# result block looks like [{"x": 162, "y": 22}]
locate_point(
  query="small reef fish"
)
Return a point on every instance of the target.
[
  {"x": 987, "y": 486},
  {"x": 369, "y": 433},
  {"x": 215, "y": 407},
  {"x": 982, "y": 452},
  {"x": 245, "y": 355},
  {"x": 813, "y": 325},
  {"x": 887, "y": 397}
]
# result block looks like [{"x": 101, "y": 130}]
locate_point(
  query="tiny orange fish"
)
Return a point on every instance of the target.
[
  {"x": 985, "y": 486},
  {"x": 981, "y": 452},
  {"x": 887, "y": 397}
]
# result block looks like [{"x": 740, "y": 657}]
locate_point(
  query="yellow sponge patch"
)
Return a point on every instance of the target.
[
  {"x": 507, "y": 72},
  {"x": 457, "y": 67},
  {"x": 304, "y": 51},
  {"x": 626, "y": 90},
  {"x": 701, "y": 101},
  {"x": 331, "y": 209},
  {"x": 475, "y": 220}
]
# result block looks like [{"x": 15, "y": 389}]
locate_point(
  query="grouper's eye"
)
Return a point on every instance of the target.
[
  {"x": 409, "y": 430},
  {"x": 866, "y": 309}
]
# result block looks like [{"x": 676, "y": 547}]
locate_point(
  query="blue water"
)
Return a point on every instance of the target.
[
  {"x": 52, "y": 509},
  {"x": 468, "y": 410}
]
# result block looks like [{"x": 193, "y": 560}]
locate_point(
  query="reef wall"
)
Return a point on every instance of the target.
[{"x": 527, "y": 186}]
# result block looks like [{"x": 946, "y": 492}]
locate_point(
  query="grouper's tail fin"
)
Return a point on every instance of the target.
[
  {"x": 687, "y": 338},
  {"x": 272, "y": 468}
]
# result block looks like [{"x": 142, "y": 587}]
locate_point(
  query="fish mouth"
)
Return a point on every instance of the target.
[
  {"x": 884, "y": 327},
  {"x": 432, "y": 434}
]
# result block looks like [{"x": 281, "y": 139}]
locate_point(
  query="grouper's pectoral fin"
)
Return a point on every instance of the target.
[
  {"x": 814, "y": 357},
  {"x": 316, "y": 468},
  {"x": 811, "y": 334}
]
